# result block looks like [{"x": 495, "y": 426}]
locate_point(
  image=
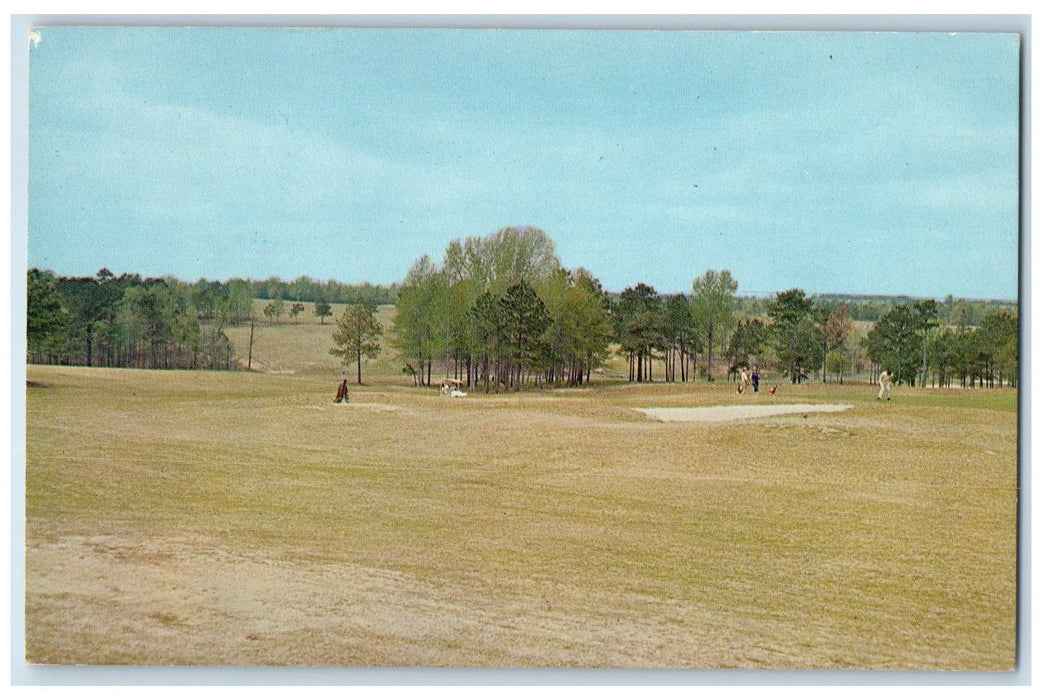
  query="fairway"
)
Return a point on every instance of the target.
[
  {"x": 177, "y": 517},
  {"x": 720, "y": 414}
]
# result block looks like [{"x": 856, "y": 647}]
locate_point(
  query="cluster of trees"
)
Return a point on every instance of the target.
[
  {"x": 501, "y": 310},
  {"x": 797, "y": 337},
  {"x": 128, "y": 321},
  {"x": 331, "y": 292},
  {"x": 676, "y": 328},
  {"x": 273, "y": 310},
  {"x": 911, "y": 341},
  {"x": 920, "y": 342}
]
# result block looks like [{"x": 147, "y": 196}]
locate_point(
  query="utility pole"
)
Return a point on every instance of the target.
[{"x": 249, "y": 358}]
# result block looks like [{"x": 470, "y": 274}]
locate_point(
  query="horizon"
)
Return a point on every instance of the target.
[{"x": 645, "y": 155}]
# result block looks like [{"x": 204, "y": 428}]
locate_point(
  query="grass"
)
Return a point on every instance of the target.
[
  {"x": 301, "y": 345},
  {"x": 242, "y": 518}
]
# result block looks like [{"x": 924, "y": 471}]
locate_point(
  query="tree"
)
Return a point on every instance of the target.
[
  {"x": 835, "y": 326},
  {"x": 458, "y": 313},
  {"x": 837, "y": 361},
  {"x": 638, "y": 328},
  {"x": 420, "y": 317},
  {"x": 944, "y": 355},
  {"x": 129, "y": 322},
  {"x": 488, "y": 336},
  {"x": 579, "y": 328},
  {"x": 712, "y": 308},
  {"x": 206, "y": 297},
  {"x": 459, "y": 325},
  {"x": 523, "y": 320},
  {"x": 45, "y": 316},
  {"x": 679, "y": 335},
  {"x": 240, "y": 301},
  {"x": 793, "y": 330},
  {"x": 747, "y": 342},
  {"x": 893, "y": 343},
  {"x": 502, "y": 307},
  {"x": 90, "y": 301},
  {"x": 519, "y": 253},
  {"x": 356, "y": 336},
  {"x": 588, "y": 309},
  {"x": 926, "y": 318},
  {"x": 502, "y": 259},
  {"x": 322, "y": 309},
  {"x": 148, "y": 306},
  {"x": 295, "y": 310},
  {"x": 996, "y": 342}
]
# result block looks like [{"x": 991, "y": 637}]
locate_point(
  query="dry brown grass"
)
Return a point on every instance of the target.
[
  {"x": 301, "y": 345},
  {"x": 219, "y": 518}
]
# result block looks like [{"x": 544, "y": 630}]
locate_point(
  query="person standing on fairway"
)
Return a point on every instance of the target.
[
  {"x": 756, "y": 379},
  {"x": 744, "y": 380},
  {"x": 884, "y": 385},
  {"x": 341, "y": 392}
]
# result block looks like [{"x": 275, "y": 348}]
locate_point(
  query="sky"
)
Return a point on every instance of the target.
[{"x": 837, "y": 162}]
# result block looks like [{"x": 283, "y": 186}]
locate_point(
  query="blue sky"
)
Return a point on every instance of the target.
[{"x": 836, "y": 162}]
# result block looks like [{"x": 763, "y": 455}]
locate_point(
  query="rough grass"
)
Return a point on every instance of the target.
[
  {"x": 301, "y": 345},
  {"x": 241, "y": 518}
]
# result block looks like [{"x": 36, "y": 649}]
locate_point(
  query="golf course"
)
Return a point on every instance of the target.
[
  {"x": 193, "y": 517},
  {"x": 673, "y": 344}
]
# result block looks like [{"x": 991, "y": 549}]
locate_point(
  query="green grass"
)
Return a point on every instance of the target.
[{"x": 242, "y": 518}]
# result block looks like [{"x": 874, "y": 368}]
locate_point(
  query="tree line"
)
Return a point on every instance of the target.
[
  {"x": 163, "y": 323},
  {"x": 501, "y": 311},
  {"x": 951, "y": 311},
  {"x": 128, "y": 321},
  {"x": 918, "y": 348},
  {"x": 331, "y": 292},
  {"x": 921, "y": 343}
]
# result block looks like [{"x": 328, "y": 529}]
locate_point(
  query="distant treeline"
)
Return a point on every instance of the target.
[
  {"x": 332, "y": 292},
  {"x": 871, "y": 308}
]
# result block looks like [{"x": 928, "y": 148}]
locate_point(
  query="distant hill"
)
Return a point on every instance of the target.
[{"x": 301, "y": 345}]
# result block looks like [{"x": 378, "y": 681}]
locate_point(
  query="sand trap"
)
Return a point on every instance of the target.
[{"x": 718, "y": 414}]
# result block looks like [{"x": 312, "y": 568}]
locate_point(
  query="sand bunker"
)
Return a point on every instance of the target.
[{"x": 719, "y": 414}]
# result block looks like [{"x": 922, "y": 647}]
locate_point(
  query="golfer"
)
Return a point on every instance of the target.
[
  {"x": 744, "y": 381},
  {"x": 884, "y": 385},
  {"x": 341, "y": 392}
]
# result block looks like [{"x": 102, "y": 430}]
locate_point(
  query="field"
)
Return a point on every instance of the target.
[
  {"x": 243, "y": 518},
  {"x": 301, "y": 345}
]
